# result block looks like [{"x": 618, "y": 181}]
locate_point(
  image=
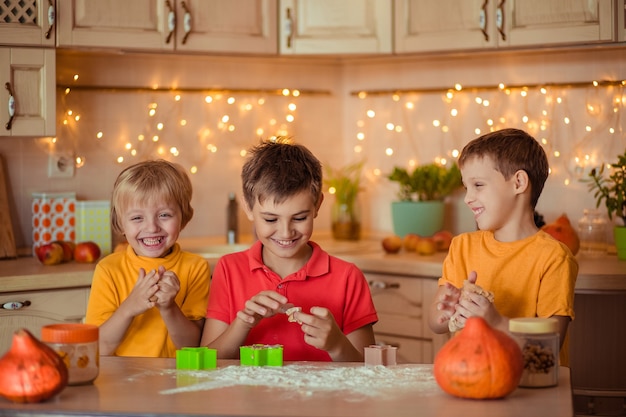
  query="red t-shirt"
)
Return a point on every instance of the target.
[{"x": 324, "y": 281}]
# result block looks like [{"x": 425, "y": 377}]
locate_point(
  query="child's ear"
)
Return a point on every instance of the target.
[
  {"x": 521, "y": 181},
  {"x": 319, "y": 204},
  {"x": 248, "y": 210}
]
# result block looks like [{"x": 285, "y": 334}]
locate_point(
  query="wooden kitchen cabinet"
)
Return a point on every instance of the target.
[
  {"x": 422, "y": 25},
  {"x": 29, "y": 23},
  {"x": 28, "y": 87},
  {"x": 44, "y": 307},
  {"x": 621, "y": 20},
  {"x": 335, "y": 27},
  {"x": 402, "y": 306},
  {"x": 233, "y": 26}
]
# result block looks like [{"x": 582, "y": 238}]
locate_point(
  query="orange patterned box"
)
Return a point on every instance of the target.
[{"x": 53, "y": 217}]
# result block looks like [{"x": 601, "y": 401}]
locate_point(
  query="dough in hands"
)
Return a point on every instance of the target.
[
  {"x": 454, "y": 324},
  {"x": 290, "y": 314}
]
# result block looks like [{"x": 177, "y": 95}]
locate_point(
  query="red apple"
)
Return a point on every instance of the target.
[
  {"x": 426, "y": 246},
  {"x": 86, "y": 252},
  {"x": 392, "y": 244},
  {"x": 410, "y": 242},
  {"x": 49, "y": 253},
  {"x": 442, "y": 239},
  {"x": 68, "y": 249}
]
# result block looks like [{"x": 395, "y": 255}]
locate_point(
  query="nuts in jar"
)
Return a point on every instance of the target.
[{"x": 539, "y": 340}]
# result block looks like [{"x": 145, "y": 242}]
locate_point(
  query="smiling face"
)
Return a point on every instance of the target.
[
  {"x": 284, "y": 228},
  {"x": 488, "y": 194},
  {"x": 151, "y": 229}
]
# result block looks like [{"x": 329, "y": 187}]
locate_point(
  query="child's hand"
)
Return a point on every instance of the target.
[
  {"x": 264, "y": 304},
  {"x": 477, "y": 305},
  {"x": 168, "y": 285},
  {"x": 141, "y": 298},
  {"x": 446, "y": 305},
  {"x": 320, "y": 329}
]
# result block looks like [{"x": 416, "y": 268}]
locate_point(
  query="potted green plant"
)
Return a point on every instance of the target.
[
  {"x": 345, "y": 184},
  {"x": 420, "y": 205},
  {"x": 612, "y": 190}
]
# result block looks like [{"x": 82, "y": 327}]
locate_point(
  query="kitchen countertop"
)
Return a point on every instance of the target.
[
  {"x": 596, "y": 275},
  {"x": 135, "y": 387}
]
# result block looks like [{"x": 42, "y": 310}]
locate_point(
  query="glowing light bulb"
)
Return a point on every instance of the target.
[
  {"x": 99, "y": 135},
  {"x": 371, "y": 114},
  {"x": 388, "y": 151}
]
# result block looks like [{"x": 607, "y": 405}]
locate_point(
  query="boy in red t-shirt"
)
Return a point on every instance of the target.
[{"x": 285, "y": 289}]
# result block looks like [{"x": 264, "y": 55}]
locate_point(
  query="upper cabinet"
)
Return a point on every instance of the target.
[
  {"x": 335, "y": 27},
  {"x": 29, "y": 23},
  {"x": 234, "y": 26},
  {"x": 621, "y": 20},
  {"x": 27, "y": 104},
  {"x": 422, "y": 25}
]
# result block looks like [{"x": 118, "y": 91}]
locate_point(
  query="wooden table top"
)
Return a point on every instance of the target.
[{"x": 153, "y": 387}]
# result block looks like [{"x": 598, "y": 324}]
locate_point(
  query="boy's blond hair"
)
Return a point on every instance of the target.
[
  {"x": 512, "y": 150},
  {"x": 277, "y": 169},
  {"x": 150, "y": 182}
]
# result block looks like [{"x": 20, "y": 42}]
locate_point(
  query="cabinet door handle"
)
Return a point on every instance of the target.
[
  {"x": 171, "y": 21},
  {"x": 382, "y": 285},
  {"x": 500, "y": 19},
  {"x": 51, "y": 19},
  {"x": 482, "y": 21},
  {"x": 186, "y": 22},
  {"x": 15, "y": 305},
  {"x": 11, "y": 106},
  {"x": 289, "y": 27}
]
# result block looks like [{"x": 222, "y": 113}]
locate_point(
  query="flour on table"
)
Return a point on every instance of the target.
[{"x": 351, "y": 383}]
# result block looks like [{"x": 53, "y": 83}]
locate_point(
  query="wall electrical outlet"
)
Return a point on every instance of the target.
[{"x": 60, "y": 165}]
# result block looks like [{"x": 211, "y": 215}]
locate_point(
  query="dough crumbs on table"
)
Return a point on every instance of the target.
[{"x": 350, "y": 383}]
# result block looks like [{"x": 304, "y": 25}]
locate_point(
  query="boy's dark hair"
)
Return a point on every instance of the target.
[
  {"x": 512, "y": 150},
  {"x": 150, "y": 182},
  {"x": 277, "y": 169}
]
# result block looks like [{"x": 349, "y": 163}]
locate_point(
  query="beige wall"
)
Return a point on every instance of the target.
[{"x": 327, "y": 123}]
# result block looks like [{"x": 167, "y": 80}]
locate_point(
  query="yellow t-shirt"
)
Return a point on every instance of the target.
[
  {"x": 532, "y": 277},
  {"x": 113, "y": 280}
]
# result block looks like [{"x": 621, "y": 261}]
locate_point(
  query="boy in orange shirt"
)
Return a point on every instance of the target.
[
  {"x": 150, "y": 299},
  {"x": 529, "y": 273}
]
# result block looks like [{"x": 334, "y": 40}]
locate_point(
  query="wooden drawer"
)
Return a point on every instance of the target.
[
  {"x": 399, "y": 303},
  {"x": 44, "y": 307}
]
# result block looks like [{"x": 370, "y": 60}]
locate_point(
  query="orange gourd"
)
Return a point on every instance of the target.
[
  {"x": 479, "y": 362},
  {"x": 30, "y": 371},
  {"x": 563, "y": 231}
]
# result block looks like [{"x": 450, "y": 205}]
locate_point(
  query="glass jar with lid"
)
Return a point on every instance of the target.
[
  {"x": 592, "y": 231},
  {"x": 77, "y": 345},
  {"x": 539, "y": 340}
]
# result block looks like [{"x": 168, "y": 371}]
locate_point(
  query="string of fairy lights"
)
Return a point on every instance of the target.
[
  {"x": 166, "y": 130},
  {"x": 580, "y": 125}
]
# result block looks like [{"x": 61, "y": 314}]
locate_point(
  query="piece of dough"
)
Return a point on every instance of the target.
[
  {"x": 290, "y": 312},
  {"x": 468, "y": 287}
]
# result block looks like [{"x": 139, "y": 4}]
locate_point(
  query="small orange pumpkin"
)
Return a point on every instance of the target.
[
  {"x": 479, "y": 362},
  {"x": 31, "y": 371}
]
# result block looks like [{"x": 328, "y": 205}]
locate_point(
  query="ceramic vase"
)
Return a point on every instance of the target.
[
  {"x": 423, "y": 218},
  {"x": 619, "y": 233}
]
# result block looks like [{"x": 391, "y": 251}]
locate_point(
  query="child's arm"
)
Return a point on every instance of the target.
[
  {"x": 563, "y": 325},
  {"x": 443, "y": 307},
  {"x": 182, "y": 331},
  {"x": 321, "y": 331},
  {"x": 113, "y": 330},
  {"x": 228, "y": 338}
]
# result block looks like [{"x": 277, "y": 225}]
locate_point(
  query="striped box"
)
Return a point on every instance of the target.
[{"x": 93, "y": 222}]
